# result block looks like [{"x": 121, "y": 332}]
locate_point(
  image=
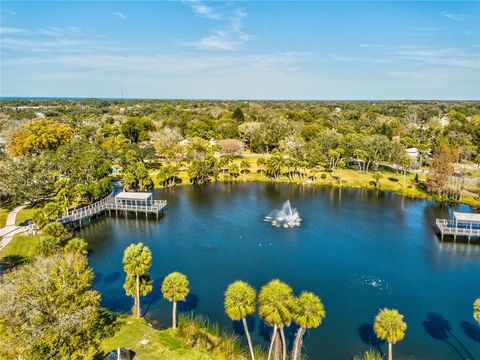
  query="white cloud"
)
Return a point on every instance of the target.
[
  {"x": 203, "y": 10},
  {"x": 229, "y": 36},
  {"x": 456, "y": 17},
  {"x": 10, "y": 30},
  {"x": 119, "y": 14},
  {"x": 448, "y": 57}
]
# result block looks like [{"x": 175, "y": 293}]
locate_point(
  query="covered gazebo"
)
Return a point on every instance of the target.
[
  {"x": 466, "y": 220},
  {"x": 133, "y": 199}
]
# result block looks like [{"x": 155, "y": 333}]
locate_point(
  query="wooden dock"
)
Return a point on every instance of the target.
[
  {"x": 463, "y": 224},
  {"x": 138, "y": 203}
]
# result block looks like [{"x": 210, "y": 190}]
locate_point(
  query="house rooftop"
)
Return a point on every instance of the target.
[
  {"x": 124, "y": 195},
  {"x": 466, "y": 217}
]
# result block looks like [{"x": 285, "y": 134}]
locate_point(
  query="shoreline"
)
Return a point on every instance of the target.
[{"x": 474, "y": 204}]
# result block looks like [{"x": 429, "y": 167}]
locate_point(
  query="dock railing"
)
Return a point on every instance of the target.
[
  {"x": 450, "y": 227},
  {"x": 109, "y": 203}
]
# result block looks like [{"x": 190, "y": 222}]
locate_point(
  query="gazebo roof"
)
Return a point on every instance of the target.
[
  {"x": 138, "y": 196},
  {"x": 466, "y": 217}
]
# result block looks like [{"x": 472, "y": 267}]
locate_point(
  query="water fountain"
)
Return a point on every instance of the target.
[{"x": 286, "y": 217}]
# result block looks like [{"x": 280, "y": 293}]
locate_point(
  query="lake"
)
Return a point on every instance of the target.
[{"x": 358, "y": 250}]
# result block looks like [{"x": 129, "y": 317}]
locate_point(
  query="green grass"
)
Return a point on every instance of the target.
[
  {"x": 148, "y": 343},
  {"x": 21, "y": 245},
  {"x": 25, "y": 214},
  {"x": 3, "y": 216}
]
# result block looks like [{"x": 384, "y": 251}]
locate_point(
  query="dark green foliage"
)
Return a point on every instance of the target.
[
  {"x": 49, "y": 310},
  {"x": 238, "y": 115},
  {"x": 136, "y": 129}
]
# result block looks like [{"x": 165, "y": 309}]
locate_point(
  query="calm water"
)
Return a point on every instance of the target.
[{"x": 358, "y": 250}]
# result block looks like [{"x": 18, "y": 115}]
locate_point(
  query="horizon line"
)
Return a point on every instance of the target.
[{"x": 46, "y": 98}]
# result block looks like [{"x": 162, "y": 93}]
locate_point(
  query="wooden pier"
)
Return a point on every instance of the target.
[
  {"x": 462, "y": 224},
  {"x": 135, "y": 202}
]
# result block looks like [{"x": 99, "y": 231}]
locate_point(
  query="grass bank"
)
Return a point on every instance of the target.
[
  {"x": 149, "y": 343},
  {"x": 347, "y": 178}
]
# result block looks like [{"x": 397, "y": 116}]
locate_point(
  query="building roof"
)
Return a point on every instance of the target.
[
  {"x": 466, "y": 217},
  {"x": 124, "y": 195}
]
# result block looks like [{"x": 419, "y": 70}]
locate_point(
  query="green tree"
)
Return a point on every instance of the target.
[
  {"x": 49, "y": 213},
  {"x": 137, "y": 260},
  {"x": 238, "y": 115},
  {"x": 77, "y": 245},
  {"x": 136, "y": 129},
  {"x": 240, "y": 301},
  {"x": 56, "y": 230},
  {"x": 476, "y": 310},
  {"x": 309, "y": 313},
  {"x": 49, "y": 310},
  {"x": 376, "y": 178},
  {"x": 244, "y": 167},
  {"x": 274, "y": 164},
  {"x": 167, "y": 174},
  {"x": 389, "y": 326},
  {"x": 174, "y": 289},
  {"x": 275, "y": 306},
  {"x": 136, "y": 177}
]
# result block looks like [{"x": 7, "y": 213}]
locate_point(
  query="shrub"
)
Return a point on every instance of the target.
[{"x": 199, "y": 332}]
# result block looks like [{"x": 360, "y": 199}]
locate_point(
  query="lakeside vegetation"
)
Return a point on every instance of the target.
[
  {"x": 60, "y": 154},
  {"x": 71, "y": 149}
]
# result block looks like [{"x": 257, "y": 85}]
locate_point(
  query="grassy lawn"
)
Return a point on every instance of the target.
[
  {"x": 3, "y": 216},
  {"x": 25, "y": 214},
  {"x": 23, "y": 246},
  {"x": 148, "y": 343}
]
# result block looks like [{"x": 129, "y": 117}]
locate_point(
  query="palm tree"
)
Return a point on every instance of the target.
[
  {"x": 175, "y": 288},
  {"x": 389, "y": 325},
  {"x": 137, "y": 260},
  {"x": 239, "y": 302},
  {"x": 275, "y": 305},
  {"x": 476, "y": 310},
  {"x": 244, "y": 167},
  {"x": 309, "y": 313}
]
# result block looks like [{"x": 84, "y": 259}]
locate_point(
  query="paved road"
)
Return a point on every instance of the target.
[{"x": 10, "y": 229}]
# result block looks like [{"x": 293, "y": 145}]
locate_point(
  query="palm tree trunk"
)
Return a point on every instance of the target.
[
  {"x": 284, "y": 345},
  {"x": 390, "y": 357},
  {"x": 250, "y": 346},
  {"x": 138, "y": 296},
  {"x": 271, "y": 342},
  {"x": 296, "y": 345},
  {"x": 174, "y": 315}
]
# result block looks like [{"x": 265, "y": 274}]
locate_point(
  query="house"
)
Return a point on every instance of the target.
[{"x": 413, "y": 153}]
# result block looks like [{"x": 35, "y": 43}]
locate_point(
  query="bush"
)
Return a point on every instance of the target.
[
  {"x": 323, "y": 176},
  {"x": 199, "y": 332}
]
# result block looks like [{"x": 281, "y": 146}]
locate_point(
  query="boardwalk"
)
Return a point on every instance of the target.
[
  {"x": 124, "y": 201},
  {"x": 462, "y": 224}
]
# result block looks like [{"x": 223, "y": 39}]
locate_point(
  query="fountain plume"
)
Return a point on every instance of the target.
[{"x": 286, "y": 217}]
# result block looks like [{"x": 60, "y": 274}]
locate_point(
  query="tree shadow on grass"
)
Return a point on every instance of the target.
[
  {"x": 368, "y": 336},
  {"x": 440, "y": 329}
]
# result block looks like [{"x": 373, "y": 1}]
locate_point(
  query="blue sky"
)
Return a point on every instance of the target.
[{"x": 241, "y": 50}]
